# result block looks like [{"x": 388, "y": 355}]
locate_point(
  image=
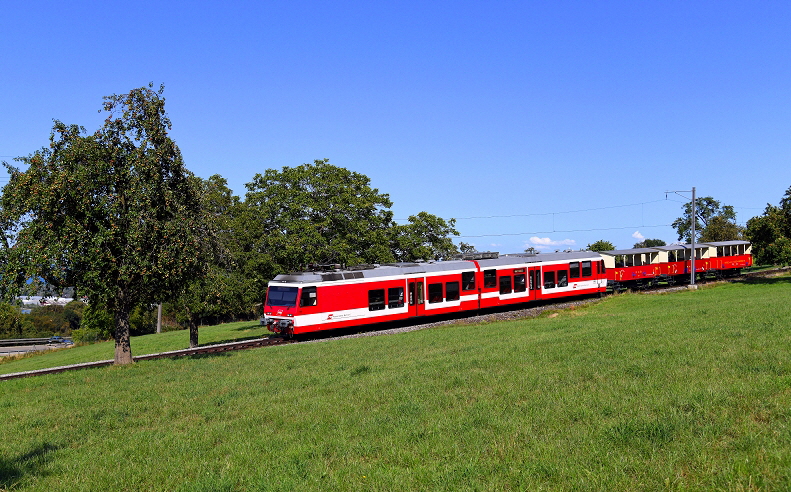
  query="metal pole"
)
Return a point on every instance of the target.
[
  {"x": 692, "y": 274},
  {"x": 159, "y": 318}
]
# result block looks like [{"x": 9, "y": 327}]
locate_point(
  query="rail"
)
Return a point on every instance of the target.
[{"x": 208, "y": 349}]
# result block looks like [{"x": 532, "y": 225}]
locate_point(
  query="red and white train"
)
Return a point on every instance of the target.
[{"x": 327, "y": 300}]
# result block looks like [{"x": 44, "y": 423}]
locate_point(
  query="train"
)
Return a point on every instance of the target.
[{"x": 331, "y": 297}]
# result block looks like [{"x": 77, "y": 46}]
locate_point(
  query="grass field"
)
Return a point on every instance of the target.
[{"x": 690, "y": 390}]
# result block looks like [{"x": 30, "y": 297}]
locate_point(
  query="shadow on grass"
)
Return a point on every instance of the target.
[
  {"x": 253, "y": 325},
  {"x": 14, "y": 470},
  {"x": 201, "y": 356},
  {"x": 231, "y": 340},
  {"x": 768, "y": 280}
]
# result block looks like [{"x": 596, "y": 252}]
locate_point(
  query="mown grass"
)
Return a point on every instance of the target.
[
  {"x": 689, "y": 390},
  {"x": 146, "y": 344}
]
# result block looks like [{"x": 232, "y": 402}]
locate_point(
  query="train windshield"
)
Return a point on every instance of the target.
[{"x": 282, "y": 296}]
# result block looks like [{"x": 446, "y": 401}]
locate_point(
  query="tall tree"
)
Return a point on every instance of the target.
[
  {"x": 315, "y": 213},
  {"x": 713, "y": 222},
  {"x": 770, "y": 233},
  {"x": 649, "y": 243},
  {"x": 601, "y": 245},
  {"x": 425, "y": 237},
  {"x": 114, "y": 213},
  {"x": 211, "y": 294}
]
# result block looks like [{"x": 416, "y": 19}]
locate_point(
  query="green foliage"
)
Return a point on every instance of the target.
[
  {"x": 114, "y": 213},
  {"x": 97, "y": 324},
  {"x": 601, "y": 245},
  {"x": 315, "y": 213},
  {"x": 713, "y": 222},
  {"x": 44, "y": 321},
  {"x": 425, "y": 237},
  {"x": 10, "y": 321},
  {"x": 649, "y": 243},
  {"x": 770, "y": 233}
]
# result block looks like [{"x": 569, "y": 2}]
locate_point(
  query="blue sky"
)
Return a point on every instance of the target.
[{"x": 546, "y": 124}]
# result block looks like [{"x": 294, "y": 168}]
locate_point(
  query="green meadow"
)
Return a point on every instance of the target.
[{"x": 681, "y": 391}]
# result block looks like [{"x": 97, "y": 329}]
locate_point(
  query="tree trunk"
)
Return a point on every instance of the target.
[
  {"x": 193, "y": 333},
  {"x": 193, "y": 327},
  {"x": 123, "y": 347}
]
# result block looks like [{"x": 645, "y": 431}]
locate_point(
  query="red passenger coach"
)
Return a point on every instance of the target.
[
  {"x": 327, "y": 300},
  {"x": 646, "y": 267}
]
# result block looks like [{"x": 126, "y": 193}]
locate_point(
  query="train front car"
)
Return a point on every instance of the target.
[
  {"x": 365, "y": 294},
  {"x": 289, "y": 299}
]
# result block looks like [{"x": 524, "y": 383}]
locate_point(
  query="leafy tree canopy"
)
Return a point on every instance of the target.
[
  {"x": 425, "y": 237},
  {"x": 770, "y": 233},
  {"x": 649, "y": 243},
  {"x": 713, "y": 222},
  {"x": 315, "y": 213},
  {"x": 601, "y": 245},
  {"x": 114, "y": 213}
]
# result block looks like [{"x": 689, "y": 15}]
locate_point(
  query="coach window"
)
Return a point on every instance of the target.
[
  {"x": 467, "y": 280},
  {"x": 603, "y": 268},
  {"x": 505, "y": 284},
  {"x": 434, "y": 293},
  {"x": 489, "y": 279},
  {"x": 549, "y": 280},
  {"x": 308, "y": 297},
  {"x": 520, "y": 283},
  {"x": 395, "y": 297},
  {"x": 587, "y": 271},
  {"x": 376, "y": 300},
  {"x": 574, "y": 269},
  {"x": 535, "y": 280},
  {"x": 563, "y": 278},
  {"x": 452, "y": 291}
]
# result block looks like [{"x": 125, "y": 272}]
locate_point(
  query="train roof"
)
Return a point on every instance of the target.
[
  {"x": 633, "y": 251},
  {"x": 392, "y": 269},
  {"x": 671, "y": 247},
  {"x": 519, "y": 258},
  {"x": 727, "y": 243}
]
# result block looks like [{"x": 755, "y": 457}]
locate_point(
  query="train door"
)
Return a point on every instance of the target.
[
  {"x": 416, "y": 298},
  {"x": 534, "y": 282}
]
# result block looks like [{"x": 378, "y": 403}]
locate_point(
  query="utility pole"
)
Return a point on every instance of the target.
[
  {"x": 692, "y": 274},
  {"x": 692, "y": 258}
]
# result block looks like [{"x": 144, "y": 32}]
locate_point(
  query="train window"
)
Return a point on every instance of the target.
[
  {"x": 549, "y": 280},
  {"x": 574, "y": 269},
  {"x": 619, "y": 261},
  {"x": 467, "y": 280},
  {"x": 452, "y": 291},
  {"x": 395, "y": 297},
  {"x": 308, "y": 297},
  {"x": 434, "y": 293},
  {"x": 489, "y": 279},
  {"x": 520, "y": 283},
  {"x": 376, "y": 300},
  {"x": 563, "y": 278},
  {"x": 587, "y": 271},
  {"x": 282, "y": 296},
  {"x": 505, "y": 284}
]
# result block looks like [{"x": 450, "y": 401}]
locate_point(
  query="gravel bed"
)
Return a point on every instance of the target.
[{"x": 509, "y": 315}]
